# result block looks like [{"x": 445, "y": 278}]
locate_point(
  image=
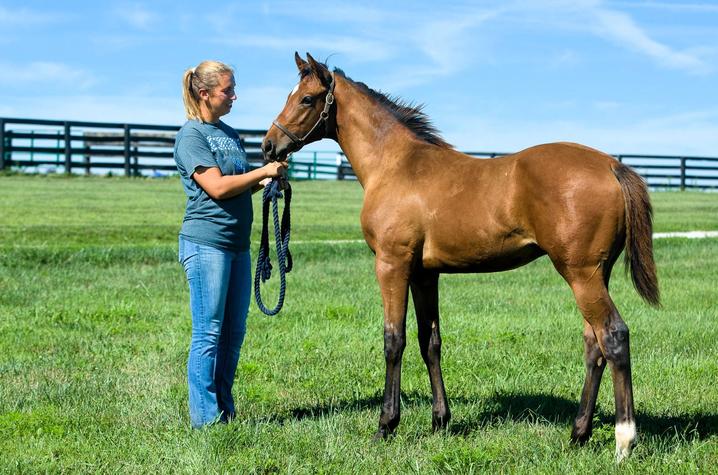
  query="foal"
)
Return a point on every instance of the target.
[{"x": 429, "y": 209}]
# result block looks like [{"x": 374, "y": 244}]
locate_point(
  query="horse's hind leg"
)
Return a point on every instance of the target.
[
  {"x": 425, "y": 292},
  {"x": 612, "y": 337},
  {"x": 595, "y": 364}
]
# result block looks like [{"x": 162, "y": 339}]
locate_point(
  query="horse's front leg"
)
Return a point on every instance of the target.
[
  {"x": 425, "y": 291},
  {"x": 393, "y": 276}
]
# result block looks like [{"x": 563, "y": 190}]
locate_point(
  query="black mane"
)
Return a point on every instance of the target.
[{"x": 409, "y": 114}]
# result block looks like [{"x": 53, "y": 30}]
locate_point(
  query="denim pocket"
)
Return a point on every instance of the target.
[{"x": 187, "y": 250}]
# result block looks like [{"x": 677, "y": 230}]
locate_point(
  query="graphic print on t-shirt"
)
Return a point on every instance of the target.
[{"x": 228, "y": 150}]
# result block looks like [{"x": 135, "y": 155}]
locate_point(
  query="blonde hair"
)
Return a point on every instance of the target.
[{"x": 205, "y": 76}]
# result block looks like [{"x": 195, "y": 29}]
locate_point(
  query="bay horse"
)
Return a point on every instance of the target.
[{"x": 429, "y": 209}]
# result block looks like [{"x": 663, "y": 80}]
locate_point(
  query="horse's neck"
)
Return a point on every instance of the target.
[{"x": 367, "y": 132}]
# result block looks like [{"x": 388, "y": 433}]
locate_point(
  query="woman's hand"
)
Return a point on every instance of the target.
[{"x": 275, "y": 169}]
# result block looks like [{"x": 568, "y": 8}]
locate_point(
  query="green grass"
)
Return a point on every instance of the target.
[{"x": 94, "y": 331}]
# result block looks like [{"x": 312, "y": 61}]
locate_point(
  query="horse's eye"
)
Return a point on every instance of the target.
[{"x": 307, "y": 100}]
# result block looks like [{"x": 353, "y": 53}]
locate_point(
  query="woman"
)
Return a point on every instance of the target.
[{"x": 214, "y": 239}]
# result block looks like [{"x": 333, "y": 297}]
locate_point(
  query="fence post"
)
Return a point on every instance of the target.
[
  {"x": 290, "y": 170},
  {"x": 127, "y": 150},
  {"x": 68, "y": 149},
  {"x": 135, "y": 162},
  {"x": 32, "y": 145},
  {"x": 57, "y": 148},
  {"x": 314, "y": 166},
  {"x": 340, "y": 171},
  {"x": 2, "y": 144},
  {"x": 683, "y": 173}
]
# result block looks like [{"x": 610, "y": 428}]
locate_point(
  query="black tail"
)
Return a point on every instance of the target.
[{"x": 639, "y": 234}]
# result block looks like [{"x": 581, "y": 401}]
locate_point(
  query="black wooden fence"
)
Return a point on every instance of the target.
[
  {"x": 86, "y": 146},
  {"x": 141, "y": 149}
]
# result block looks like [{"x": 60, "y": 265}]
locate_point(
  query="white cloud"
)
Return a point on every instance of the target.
[
  {"x": 46, "y": 72},
  {"x": 672, "y": 6},
  {"x": 691, "y": 133},
  {"x": 563, "y": 58},
  {"x": 599, "y": 19},
  {"x": 607, "y": 105},
  {"x": 350, "y": 31},
  {"x": 137, "y": 16},
  {"x": 132, "y": 109},
  {"x": 354, "y": 48},
  {"x": 255, "y": 107},
  {"x": 449, "y": 41},
  {"x": 27, "y": 17},
  {"x": 444, "y": 41},
  {"x": 621, "y": 28},
  {"x": 330, "y": 12},
  {"x": 113, "y": 42}
]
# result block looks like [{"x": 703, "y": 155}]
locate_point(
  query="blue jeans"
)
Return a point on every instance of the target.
[{"x": 220, "y": 290}]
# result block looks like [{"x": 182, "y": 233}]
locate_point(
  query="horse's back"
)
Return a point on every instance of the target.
[
  {"x": 562, "y": 199},
  {"x": 555, "y": 176},
  {"x": 463, "y": 214}
]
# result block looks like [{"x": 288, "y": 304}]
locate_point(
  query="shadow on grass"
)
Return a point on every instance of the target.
[
  {"x": 533, "y": 408},
  {"x": 549, "y": 409}
]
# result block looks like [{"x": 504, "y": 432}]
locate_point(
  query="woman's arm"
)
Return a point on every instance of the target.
[{"x": 221, "y": 187}]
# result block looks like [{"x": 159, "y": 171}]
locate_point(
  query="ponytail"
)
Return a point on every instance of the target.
[
  {"x": 205, "y": 76},
  {"x": 190, "y": 98}
]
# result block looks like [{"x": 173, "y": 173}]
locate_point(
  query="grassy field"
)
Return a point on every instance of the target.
[{"x": 94, "y": 332}]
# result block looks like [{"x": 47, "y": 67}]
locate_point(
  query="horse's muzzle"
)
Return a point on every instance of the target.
[
  {"x": 268, "y": 150},
  {"x": 275, "y": 152}
]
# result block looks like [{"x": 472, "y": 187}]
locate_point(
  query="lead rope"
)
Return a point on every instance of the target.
[{"x": 272, "y": 192}]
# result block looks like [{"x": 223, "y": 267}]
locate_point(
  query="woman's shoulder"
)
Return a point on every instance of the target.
[
  {"x": 191, "y": 128},
  {"x": 191, "y": 135},
  {"x": 190, "y": 125}
]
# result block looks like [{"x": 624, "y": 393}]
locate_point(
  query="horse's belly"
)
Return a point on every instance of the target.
[{"x": 478, "y": 258}]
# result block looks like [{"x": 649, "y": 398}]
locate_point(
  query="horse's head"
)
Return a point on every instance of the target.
[{"x": 306, "y": 115}]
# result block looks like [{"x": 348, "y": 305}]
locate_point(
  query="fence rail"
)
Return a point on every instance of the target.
[{"x": 142, "y": 149}]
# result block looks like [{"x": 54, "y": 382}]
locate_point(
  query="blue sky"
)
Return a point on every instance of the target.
[{"x": 622, "y": 76}]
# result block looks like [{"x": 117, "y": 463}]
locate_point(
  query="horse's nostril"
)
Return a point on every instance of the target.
[{"x": 268, "y": 146}]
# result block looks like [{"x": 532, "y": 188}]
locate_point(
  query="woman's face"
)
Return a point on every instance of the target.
[{"x": 220, "y": 98}]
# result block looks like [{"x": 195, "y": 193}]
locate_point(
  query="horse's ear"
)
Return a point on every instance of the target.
[
  {"x": 320, "y": 71},
  {"x": 301, "y": 64}
]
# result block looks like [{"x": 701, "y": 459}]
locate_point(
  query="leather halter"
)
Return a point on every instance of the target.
[{"x": 323, "y": 116}]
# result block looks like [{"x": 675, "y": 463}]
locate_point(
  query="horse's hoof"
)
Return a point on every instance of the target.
[
  {"x": 623, "y": 453},
  {"x": 580, "y": 438},
  {"x": 439, "y": 424},
  {"x": 625, "y": 439},
  {"x": 381, "y": 434}
]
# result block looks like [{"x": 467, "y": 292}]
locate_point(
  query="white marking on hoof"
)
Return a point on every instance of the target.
[{"x": 625, "y": 439}]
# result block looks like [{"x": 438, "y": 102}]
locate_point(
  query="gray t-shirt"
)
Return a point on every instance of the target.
[{"x": 219, "y": 223}]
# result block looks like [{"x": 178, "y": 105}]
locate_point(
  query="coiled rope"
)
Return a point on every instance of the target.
[{"x": 272, "y": 193}]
